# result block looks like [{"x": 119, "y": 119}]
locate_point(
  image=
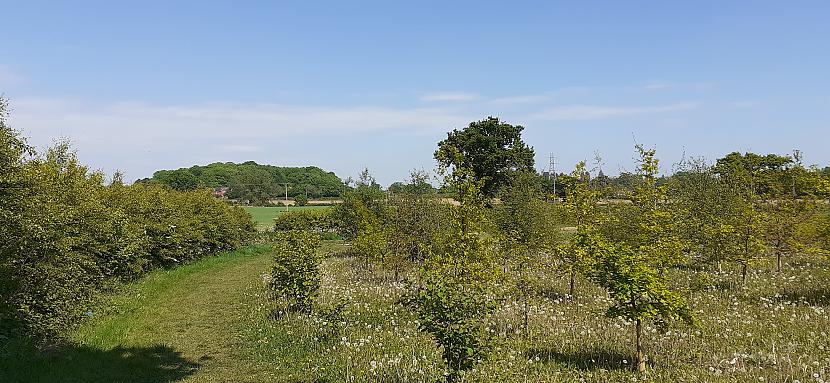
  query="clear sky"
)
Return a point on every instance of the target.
[{"x": 141, "y": 86}]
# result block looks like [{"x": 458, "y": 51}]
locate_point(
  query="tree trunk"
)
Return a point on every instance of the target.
[
  {"x": 526, "y": 309},
  {"x": 743, "y": 273},
  {"x": 778, "y": 260},
  {"x": 571, "y": 285},
  {"x": 641, "y": 358}
]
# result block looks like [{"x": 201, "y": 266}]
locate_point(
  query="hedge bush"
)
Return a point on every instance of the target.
[
  {"x": 314, "y": 220},
  {"x": 68, "y": 236},
  {"x": 295, "y": 274}
]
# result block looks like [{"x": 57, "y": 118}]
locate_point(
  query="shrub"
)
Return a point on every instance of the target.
[
  {"x": 301, "y": 200},
  {"x": 315, "y": 220},
  {"x": 370, "y": 244},
  {"x": 295, "y": 274},
  {"x": 414, "y": 220},
  {"x": 454, "y": 299},
  {"x": 74, "y": 237},
  {"x": 13, "y": 187},
  {"x": 366, "y": 202},
  {"x": 332, "y": 319}
]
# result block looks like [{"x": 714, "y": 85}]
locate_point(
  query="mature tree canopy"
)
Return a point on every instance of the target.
[
  {"x": 490, "y": 148},
  {"x": 181, "y": 179},
  {"x": 13, "y": 187},
  {"x": 773, "y": 175},
  {"x": 764, "y": 173}
]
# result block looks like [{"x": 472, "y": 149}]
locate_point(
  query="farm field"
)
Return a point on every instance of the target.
[
  {"x": 264, "y": 216},
  {"x": 211, "y": 321}
]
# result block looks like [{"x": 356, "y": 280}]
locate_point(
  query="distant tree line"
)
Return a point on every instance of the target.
[
  {"x": 766, "y": 175},
  {"x": 253, "y": 182}
]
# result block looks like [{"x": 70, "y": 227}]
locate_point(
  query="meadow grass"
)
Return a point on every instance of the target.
[
  {"x": 774, "y": 329},
  {"x": 212, "y": 321},
  {"x": 264, "y": 216}
]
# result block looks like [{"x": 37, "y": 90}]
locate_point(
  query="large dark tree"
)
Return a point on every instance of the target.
[{"x": 490, "y": 148}]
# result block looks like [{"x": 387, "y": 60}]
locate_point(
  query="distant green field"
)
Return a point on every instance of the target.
[{"x": 264, "y": 216}]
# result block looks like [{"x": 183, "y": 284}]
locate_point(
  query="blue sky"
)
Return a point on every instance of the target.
[{"x": 345, "y": 85}]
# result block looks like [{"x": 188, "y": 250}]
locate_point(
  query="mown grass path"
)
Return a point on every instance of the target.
[{"x": 185, "y": 324}]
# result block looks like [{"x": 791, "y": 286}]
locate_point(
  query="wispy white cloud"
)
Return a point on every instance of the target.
[
  {"x": 9, "y": 77},
  {"x": 143, "y": 122},
  {"x": 139, "y": 138},
  {"x": 450, "y": 96},
  {"x": 594, "y": 112},
  {"x": 561, "y": 93},
  {"x": 665, "y": 85}
]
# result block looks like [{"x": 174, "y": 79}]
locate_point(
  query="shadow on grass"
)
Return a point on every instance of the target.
[
  {"x": 157, "y": 364},
  {"x": 584, "y": 360},
  {"x": 342, "y": 254},
  {"x": 726, "y": 285},
  {"x": 550, "y": 293},
  {"x": 813, "y": 297}
]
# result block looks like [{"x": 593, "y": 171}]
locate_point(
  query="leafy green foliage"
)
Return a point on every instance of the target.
[
  {"x": 418, "y": 184},
  {"x": 718, "y": 216},
  {"x": 638, "y": 290},
  {"x": 295, "y": 274},
  {"x": 787, "y": 221},
  {"x": 316, "y": 220},
  {"x": 415, "y": 217},
  {"x": 761, "y": 172},
  {"x": 370, "y": 242},
  {"x": 13, "y": 187},
  {"x": 526, "y": 220},
  {"x": 823, "y": 237},
  {"x": 254, "y": 185},
  {"x": 332, "y": 317},
  {"x": 771, "y": 176},
  {"x": 633, "y": 268},
  {"x": 180, "y": 179},
  {"x": 455, "y": 293},
  {"x": 363, "y": 205},
  {"x": 580, "y": 208},
  {"x": 650, "y": 227},
  {"x": 72, "y": 236},
  {"x": 251, "y": 181},
  {"x": 528, "y": 228},
  {"x": 491, "y": 149}
]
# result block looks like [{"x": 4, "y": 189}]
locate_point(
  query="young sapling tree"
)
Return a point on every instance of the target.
[{"x": 454, "y": 298}]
